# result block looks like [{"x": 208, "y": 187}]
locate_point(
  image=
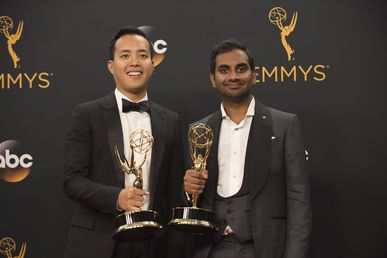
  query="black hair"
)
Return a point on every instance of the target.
[
  {"x": 226, "y": 46},
  {"x": 128, "y": 30}
]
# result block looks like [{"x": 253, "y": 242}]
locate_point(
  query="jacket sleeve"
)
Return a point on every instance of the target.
[
  {"x": 78, "y": 184},
  {"x": 299, "y": 214}
]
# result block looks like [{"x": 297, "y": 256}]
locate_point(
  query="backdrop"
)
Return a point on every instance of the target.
[{"x": 331, "y": 72}]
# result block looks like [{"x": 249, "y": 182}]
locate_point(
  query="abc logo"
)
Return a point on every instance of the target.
[
  {"x": 14, "y": 167},
  {"x": 159, "y": 45},
  {"x": 13, "y": 161}
]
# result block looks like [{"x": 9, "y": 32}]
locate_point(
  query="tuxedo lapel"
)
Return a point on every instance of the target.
[
  {"x": 112, "y": 121},
  {"x": 159, "y": 132},
  {"x": 214, "y": 121},
  {"x": 258, "y": 152}
]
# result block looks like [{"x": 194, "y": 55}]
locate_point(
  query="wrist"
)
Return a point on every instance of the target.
[{"x": 118, "y": 207}]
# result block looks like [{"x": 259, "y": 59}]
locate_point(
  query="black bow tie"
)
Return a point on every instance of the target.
[{"x": 128, "y": 106}]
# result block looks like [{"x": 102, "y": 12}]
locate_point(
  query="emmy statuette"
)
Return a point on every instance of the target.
[
  {"x": 137, "y": 225},
  {"x": 277, "y": 16},
  {"x": 194, "y": 219}
]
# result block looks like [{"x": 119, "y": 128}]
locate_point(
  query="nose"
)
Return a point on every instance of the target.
[
  {"x": 233, "y": 75},
  {"x": 134, "y": 61}
]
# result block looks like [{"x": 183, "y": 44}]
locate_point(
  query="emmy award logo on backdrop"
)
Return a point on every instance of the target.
[
  {"x": 277, "y": 16},
  {"x": 289, "y": 71},
  {"x": 16, "y": 78},
  {"x": 8, "y": 246},
  {"x": 6, "y": 24}
]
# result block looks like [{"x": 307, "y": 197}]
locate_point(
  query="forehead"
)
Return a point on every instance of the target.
[
  {"x": 232, "y": 58},
  {"x": 132, "y": 42}
]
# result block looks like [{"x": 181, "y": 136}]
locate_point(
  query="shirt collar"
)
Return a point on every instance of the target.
[
  {"x": 119, "y": 96},
  {"x": 250, "y": 111}
]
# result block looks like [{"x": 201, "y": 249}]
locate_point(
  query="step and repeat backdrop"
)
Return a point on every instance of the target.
[{"x": 324, "y": 60}]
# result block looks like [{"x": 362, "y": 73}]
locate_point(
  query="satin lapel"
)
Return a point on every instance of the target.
[
  {"x": 159, "y": 127},
  {"x": 258, "y": 153},
  {"x": 112, "y": 121},
  {"x": 214, "y": 122}
]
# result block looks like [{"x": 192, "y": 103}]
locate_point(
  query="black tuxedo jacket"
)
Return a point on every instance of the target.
[
  {"x": 93, "y": 179},
  {"x": 278, "y": 187}
]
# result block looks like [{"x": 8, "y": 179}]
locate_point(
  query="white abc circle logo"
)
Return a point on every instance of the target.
[
  {"x": 15, "y": 165},
  {"x": 10, "y": 160},
  {"x": 160, "y": 46}
]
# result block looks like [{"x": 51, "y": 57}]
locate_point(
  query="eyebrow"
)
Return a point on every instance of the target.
[
  {"x": 241, "y": 64},
  {"x": 129, "y": 51},
  {"x": 227, "y": 66},
  {"x": 223, "y": 66}
]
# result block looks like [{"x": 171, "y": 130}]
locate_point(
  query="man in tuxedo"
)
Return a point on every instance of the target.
[
  {"x": 256, "y": 181},
  {"x": 94, "y": 180}
]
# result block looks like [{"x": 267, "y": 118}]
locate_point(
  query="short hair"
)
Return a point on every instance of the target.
[
  {"x": 128, "y": 30},
  {"x": 227, "y": 46}
]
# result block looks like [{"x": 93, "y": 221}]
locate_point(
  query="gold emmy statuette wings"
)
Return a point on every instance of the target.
[
  {"x": 277, "y": 16},
  {"x": 12, "y": 39},
  {"x": 141, "y": 142},
  {"x": 8, "y": 246},
  {"x": 200, "y": 137},
  {"x": 285, "y": 32},
  {"x": 22, "y": 251}
]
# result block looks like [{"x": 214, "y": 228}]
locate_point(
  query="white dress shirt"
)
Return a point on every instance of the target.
[
  {"x": 130, "y": 122},
  {"x": 232, "y": 151}
]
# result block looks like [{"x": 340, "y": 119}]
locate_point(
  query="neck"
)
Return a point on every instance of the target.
[
  {"x": 237, "y": 110},
  {"x": 135, "y": 97}
]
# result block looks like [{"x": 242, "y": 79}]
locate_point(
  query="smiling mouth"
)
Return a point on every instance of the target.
[
  {"x": 234, "y": 85},
  {"x": 134, "y": 73}
]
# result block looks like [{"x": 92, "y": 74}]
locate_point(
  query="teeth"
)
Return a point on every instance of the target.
[{"x": 134, "y": 73}]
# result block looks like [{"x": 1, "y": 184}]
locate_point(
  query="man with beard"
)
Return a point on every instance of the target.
[{"x": 256, "y": 181}]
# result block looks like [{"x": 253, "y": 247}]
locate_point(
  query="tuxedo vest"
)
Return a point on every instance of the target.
[{"x": 235, "y": 212}]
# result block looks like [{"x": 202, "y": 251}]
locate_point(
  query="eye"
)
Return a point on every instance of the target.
[
  {"x": 242, "y": 69},
  {"x": 124, "y": 56},
  {"x": 143, "y": 56},
  {"x": 223, "y": 70}
]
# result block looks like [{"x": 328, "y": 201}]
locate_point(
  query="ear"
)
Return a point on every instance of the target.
[
  {"x": 110, "y": 66},
  {"x": 212, "y": 78}
]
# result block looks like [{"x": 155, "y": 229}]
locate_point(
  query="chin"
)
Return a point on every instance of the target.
[
  {"x": 238, "y": 97},
  {"x": 135, "y": 90}
]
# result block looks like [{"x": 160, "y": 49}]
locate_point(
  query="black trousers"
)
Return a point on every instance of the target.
[
  {"x": 142, "y": 249},
  {"x": 231, "y": 247}
]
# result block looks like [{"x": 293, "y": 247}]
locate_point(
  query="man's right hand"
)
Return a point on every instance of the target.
[
  {"x": 131, "y": 199},
  {"x": 194, "y": 181}
]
